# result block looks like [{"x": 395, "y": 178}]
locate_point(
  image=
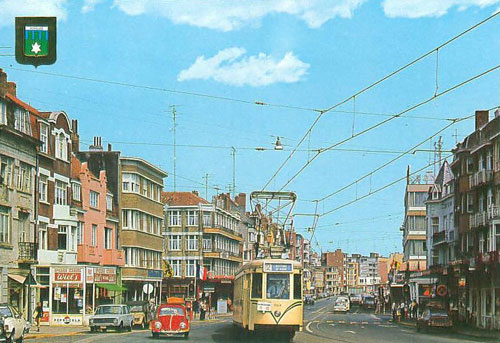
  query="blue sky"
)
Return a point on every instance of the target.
[{"x": 301, "y": 53}]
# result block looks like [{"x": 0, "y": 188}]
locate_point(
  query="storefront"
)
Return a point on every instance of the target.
[
  {"x": 141, "y": 287},
  {"x": 67, "y": 300}
]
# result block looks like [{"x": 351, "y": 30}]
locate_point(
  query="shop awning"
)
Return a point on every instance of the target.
[
  {"x": 111, "y": 287},
  {"x": 17, "y": 278}
]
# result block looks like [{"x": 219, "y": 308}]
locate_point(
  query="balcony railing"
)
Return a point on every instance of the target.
[
  {"x": 439, "y": 237},
  {"x": 27, "y": 252},
  {"x": 493, "y": 212},
  {"x": 472, "y": 221},
  {"x": 481, "y": 218},
  {"x": 480, "y": 177}
]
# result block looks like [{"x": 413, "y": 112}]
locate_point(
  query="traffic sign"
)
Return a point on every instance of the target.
[{"x": 36, "y": 40}]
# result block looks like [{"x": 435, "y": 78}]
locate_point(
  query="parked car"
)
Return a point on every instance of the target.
[
  {"x": 308, "y": 299},
  {"x": 355, "y": 299},
  {"x": 171, "y": 319},
  {"x": 341, "y": 304},
  {"x": 368, "y": 301},
  {"x": 141, "y": 312},
  {"x": 111, "y": 316},
  {"x": 434, "y": 317},
  {"x": 14, "y": 326}
]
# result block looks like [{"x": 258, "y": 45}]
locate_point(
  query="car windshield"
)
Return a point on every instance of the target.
[
  {"x": 5, "y": 312},
  {"x": 278, "y": 286},
  {"x": 341, "y": 302},
  {"x": 171, "y": 311},
  {"x": 369, "y": 299},
  {"x": 109, "y": 310},
  {"x": 438, "y": 313},
  {"x": 136, "y": 308}
]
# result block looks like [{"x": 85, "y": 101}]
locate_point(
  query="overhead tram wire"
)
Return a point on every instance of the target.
[
  {"x": 381, "y": 188},
  {"x": 322, "y": 112},
  {"x": 434, "y": 97},
  {"x": 410, "y": 150},
  {"x": 167, "y": 90}
]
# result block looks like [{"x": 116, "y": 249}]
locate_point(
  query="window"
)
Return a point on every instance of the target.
[
  {"x": 192, "y": 242},
  {"x": 175, "y": 243},
  {"x": 297, "y": 286},
  {"x": 470, "y": 165},
  {"x": 130, "y": 182},
  {"x": 207, "y": 244},
  {"x": 435, "y": 224},
  {"x": 416, "y": 223},
  {"x": 417, "y": 199},
  {"x": 61, "y": 146},
  {"x": 176, "y": 267},
  {"x": 42, "y": 188},
  {"x": 4, "y": 224},
  {"x": 94, "y": 235},
  {"x": 3, "y": 113},
  {"x": 145, "y": 187},
  {"x": 482, "y": 242},
  {"x": 192, "y": 218},
  {"x": 207, "y": 219},
  {"x": 44, "y": 137},
  {"x": 108, "y": 233},
  {"x": 190, "y": 268},
  {"x": 79, "y": 233},
  {"x": 94, "y": 199},
  {"x": 22, "y": 121},
  {"x": 23, "y": 178},
  {"x": 60, "y": 193},
  {"x": 109, "y": 202},
  {"x": 470, "y": 203},
  {"x": 257, "y": 285},
  {"x": 62, "y": 237},
  {"x": 175, "y": 218},
  {"x": 6, "y": 165},
  {"x": 278, "y": 286},
  {"x": 24, "y": 225},
  {"x": 42, "y": 229},
  {"x": 76, "y": 189}
]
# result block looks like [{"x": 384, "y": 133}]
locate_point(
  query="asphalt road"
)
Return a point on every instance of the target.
[{"x": 320, "y": 325}]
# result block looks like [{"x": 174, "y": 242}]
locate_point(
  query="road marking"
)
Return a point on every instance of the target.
[
  {"x": 349, "y": 331},
  {"x": 408, "y": 331},
  {"x": 387, "y": 326},
  {"x": 364, "y": 322},
  {"x": 332, "y": 324},
  {"x": 352, "y": 323},
  {"x": 307, "y": 327},
  {"x": 319, "y": 310}
]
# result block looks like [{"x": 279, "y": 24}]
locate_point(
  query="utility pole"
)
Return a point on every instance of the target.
[
  {"x": 206, "y": 185},
  {"x": 174, "y": 115},
  {"x": 234, "y": 169}
]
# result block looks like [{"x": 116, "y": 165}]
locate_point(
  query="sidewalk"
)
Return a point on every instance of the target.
[
  {"x": 462, "y": 330},
  {"x": 55, "y": 331},
  {"x": 217, "y": 316}
]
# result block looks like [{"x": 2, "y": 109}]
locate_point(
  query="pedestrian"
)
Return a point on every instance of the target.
[
  {"x": 394, "y": 312},
  {"x": 196, "y": 308},
  {"x": 37, "y": 315},
  {"x": 202, "y": 310},
  {"x": 415, "y": 309}
]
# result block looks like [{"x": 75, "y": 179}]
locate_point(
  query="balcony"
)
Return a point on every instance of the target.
[
  {"x": 481, "y": 218},
  {"x": 88, "y": 254},
  {"x": 493, "y": 212},
  {"x": 480, "y": 178},
  {"x": 113, "y": 257},
  {"x": 27, "y": 252},
  {"x": 497, "y": 166},
  {"x": 439, "y": 238}
]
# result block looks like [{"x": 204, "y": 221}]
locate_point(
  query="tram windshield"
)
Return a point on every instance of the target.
[{"x": 278, "y": 286}]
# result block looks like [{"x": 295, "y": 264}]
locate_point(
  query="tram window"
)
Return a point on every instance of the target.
[
  {"x": 257, "y": 285},
  {"x": 278, "y": 286},
  {"x": 297, "y": 286}
]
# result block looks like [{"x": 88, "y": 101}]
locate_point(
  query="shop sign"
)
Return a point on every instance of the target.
[
  {"x": 104, "y": 275},
  {"x": 68, "y": 274},
  {"x": 154, "y": 273},
  {"x": 66, "y": 319},
  {"x": 208, "y": 289},
  {"x": 225, "y": 281},
  {"x": 89, "y": 275}
]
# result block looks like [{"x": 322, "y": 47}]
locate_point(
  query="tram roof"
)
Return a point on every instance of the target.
[{"x": 260, "y": 263}]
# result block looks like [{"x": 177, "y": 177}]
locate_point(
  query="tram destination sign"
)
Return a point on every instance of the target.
[{"x": 277, "y": 267}]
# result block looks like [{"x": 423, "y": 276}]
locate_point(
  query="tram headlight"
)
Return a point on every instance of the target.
[
  {"x": 277, "y": 313},
  {"x": 183, "y": 325},
  {"x": 158, "y": 325}
]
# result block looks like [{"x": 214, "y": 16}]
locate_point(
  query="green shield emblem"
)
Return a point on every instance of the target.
[{"x": 36, "y": 41}]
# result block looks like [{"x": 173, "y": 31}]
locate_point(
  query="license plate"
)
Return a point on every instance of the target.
[{"x": 104, "y": 327}]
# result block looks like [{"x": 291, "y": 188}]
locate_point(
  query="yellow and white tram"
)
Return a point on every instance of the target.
[{"x": 268, "y": 295}]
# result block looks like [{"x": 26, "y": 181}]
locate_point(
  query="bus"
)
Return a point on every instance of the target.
[{"x": 268, "y": 297}]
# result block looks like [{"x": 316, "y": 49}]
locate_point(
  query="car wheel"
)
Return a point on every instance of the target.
[
  {"x": 155, "y": 334},
  {"x": 129, "y": 328},
  {"x": 93, "y": 329},
  {"x": 186, "y": 335},
  {"x": 120, "y": 327},
  {"x": 10, "y": 339},
  {"x": 21, "y": 339}
]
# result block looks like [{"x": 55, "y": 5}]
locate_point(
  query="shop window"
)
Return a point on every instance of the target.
[
  {"x": 257, "y": 285},
  {"x": 67, "y": 298}
]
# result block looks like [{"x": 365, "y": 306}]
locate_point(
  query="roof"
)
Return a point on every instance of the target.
[
  {"x": 21, "y": 103},
  {"x": 144, "y": 162},
  {"x": 182, "y": 199}
]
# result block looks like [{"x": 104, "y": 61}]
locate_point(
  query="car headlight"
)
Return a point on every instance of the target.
[
  {"x": 91, "y": 321},
  {"x": 183, "y": 325},
  {"x": 158, "y": 325},
  {"x": 115, "y": 321}
]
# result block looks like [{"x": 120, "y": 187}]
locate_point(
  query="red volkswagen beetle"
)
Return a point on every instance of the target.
[{"x": 171, "y": 319}]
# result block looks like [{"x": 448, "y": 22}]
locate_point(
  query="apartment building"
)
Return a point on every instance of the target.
[
  {"x": 142, "y": 222},
  {"x": 18, "y": 159},
  {"x": 186, "y": 213},
  {"x": 369, "y": 276},
  {"x": 334, "y": 272}
]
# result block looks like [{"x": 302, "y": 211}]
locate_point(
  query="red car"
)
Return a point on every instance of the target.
[{"x": 171, "y": 319}]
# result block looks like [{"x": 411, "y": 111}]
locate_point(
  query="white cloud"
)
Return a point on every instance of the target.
[
  {"x": 232, "y": 67},
  {"x": 9, "y": 9},
  {"x": 430, "y": 8},
  {"x": 89, "y": 5},
  {"x": 227, "y": 15}
]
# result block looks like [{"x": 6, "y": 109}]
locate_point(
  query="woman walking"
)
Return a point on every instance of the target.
[{"x": 37, "y": 315}]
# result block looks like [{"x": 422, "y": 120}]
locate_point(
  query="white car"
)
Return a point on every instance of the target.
[
  {"x": 14, "y": 325},
  {"x": 341, "y": 305},
  {"x": 117, "y": 317}
]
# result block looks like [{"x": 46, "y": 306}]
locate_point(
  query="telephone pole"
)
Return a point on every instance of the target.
[
  {"x": 174, "y": 115},
  {"x": 206, "y": 186},
  {"x": 233, "y": 152}
]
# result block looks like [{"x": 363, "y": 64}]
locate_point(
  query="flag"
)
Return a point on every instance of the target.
[{"x": 201, "y": 272}]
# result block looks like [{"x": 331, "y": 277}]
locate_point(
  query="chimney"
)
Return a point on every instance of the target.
[
  {"x": 195, "y": 193},
  {"x": 482, "y": 117},
  {"x": 97, "y": 146},
  {"x": 75, "y": 138},
  {"x": 3, "y": 83},
  {"x": 497, "y": 113},
  {"x": 241, "y": 200},
  {"x": 110, "y": 148},
  {"x": 11, "y": 88}
]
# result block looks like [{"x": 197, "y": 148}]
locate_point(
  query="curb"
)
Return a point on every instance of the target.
[
  {"x": 49, "y": 335},
  {"x": 413, "y": 325}
]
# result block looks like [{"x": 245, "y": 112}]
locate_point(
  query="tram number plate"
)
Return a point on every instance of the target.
[
  {"x": 263, "y": 307},
  {"x": 277, "y": 267}
]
